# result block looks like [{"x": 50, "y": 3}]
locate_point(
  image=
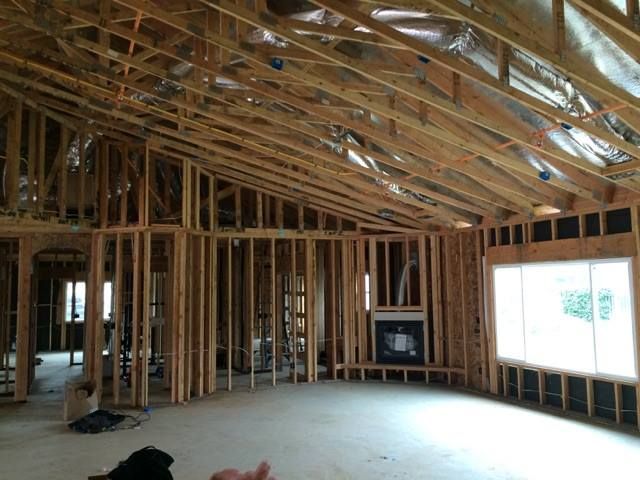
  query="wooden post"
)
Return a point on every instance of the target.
[{"x": 23, "y": 353}]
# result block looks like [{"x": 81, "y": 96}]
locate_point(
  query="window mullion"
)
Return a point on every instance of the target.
[{"x": 593, "y": 320}]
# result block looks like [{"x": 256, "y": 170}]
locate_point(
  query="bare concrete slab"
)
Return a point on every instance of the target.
[{"x": 328, "y": 431}]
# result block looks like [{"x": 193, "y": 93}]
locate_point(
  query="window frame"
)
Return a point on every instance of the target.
[{"x": 525, "y": 364}]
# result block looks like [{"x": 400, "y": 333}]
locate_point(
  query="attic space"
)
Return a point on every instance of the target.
[{"x": 346, "y": 238}]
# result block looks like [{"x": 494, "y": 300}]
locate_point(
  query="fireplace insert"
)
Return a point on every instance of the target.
[{"x": 400, "y": 342}]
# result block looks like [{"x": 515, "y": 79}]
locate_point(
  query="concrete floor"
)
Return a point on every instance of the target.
[{"x": 335, "y": 430}]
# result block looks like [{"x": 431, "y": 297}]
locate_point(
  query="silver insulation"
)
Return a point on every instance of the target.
[{"x": 527, "y": 74}]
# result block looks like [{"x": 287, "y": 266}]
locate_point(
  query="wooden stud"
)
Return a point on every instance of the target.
[
  {"x": 63, "y": 182},
  {"x": 237, "y": 195},
  {"x": 424, "y": 297},
  {"x": 259, "y": 211},
  {"x": 135, "y": 322},
  {"x": 146, "y": 319},
  {"x": 520, "y": 383},
  {"x": 463, "y": 294},
  {"x": 333, "y": 295},
  {"x": 252, "y": 316},
  {"x": 300, "y": 217},
  {"x": 229, "y": 313},
  {"x": 503, "y": 52},
  {"x": 124, "y": 185},
  {"x": 118, "y": 292},
  {"x": 32, "y": 159},
  {"x": 481, "y": 308},
  {"x": 274, "y": 314},
  {"x": 436, "y": 289},
  {"x": 147, "y": 190},
  {"x": 12, "y": 169},
  {"x": 279, "y": 214},
  {"x": 617, "y": 392},
  {"x": 505, "y": 380},
  {"x": 178, "y": 316},
  {"x": 213, "y": 344},
  {"x": 387, "y": 272},
  {"x": 82, "y": 174},
  {"x": 590, "y": 399},
  {"x": 373, "y": 288},
  {"x": 23, "y": 354},
  {"x": 42, "y": 132},
  {"x": 293, "y": 356},
  {"x": 559, "y": 34},
  {"x": 361, "y": 301}
]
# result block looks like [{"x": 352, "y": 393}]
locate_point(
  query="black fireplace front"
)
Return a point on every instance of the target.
[{"x": 400, "y": 342}]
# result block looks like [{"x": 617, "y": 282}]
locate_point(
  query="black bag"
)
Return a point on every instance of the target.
[
  {"x": 146, "y": 464},
  {"x": 96, "y": 422}
]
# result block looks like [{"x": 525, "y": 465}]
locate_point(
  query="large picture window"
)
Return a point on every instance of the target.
[{"x": 574, "y": 316}]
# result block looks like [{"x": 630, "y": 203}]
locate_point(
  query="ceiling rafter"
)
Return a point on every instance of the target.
[
  {"x": 104, "y": 108},
  {"x": 160, "y": 74},
  {"x": 247, "y": 50}
]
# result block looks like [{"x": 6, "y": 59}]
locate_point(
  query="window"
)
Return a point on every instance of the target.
[
  {"x": 574, "y": 316},
  {"x": 81, "y": 299}
]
